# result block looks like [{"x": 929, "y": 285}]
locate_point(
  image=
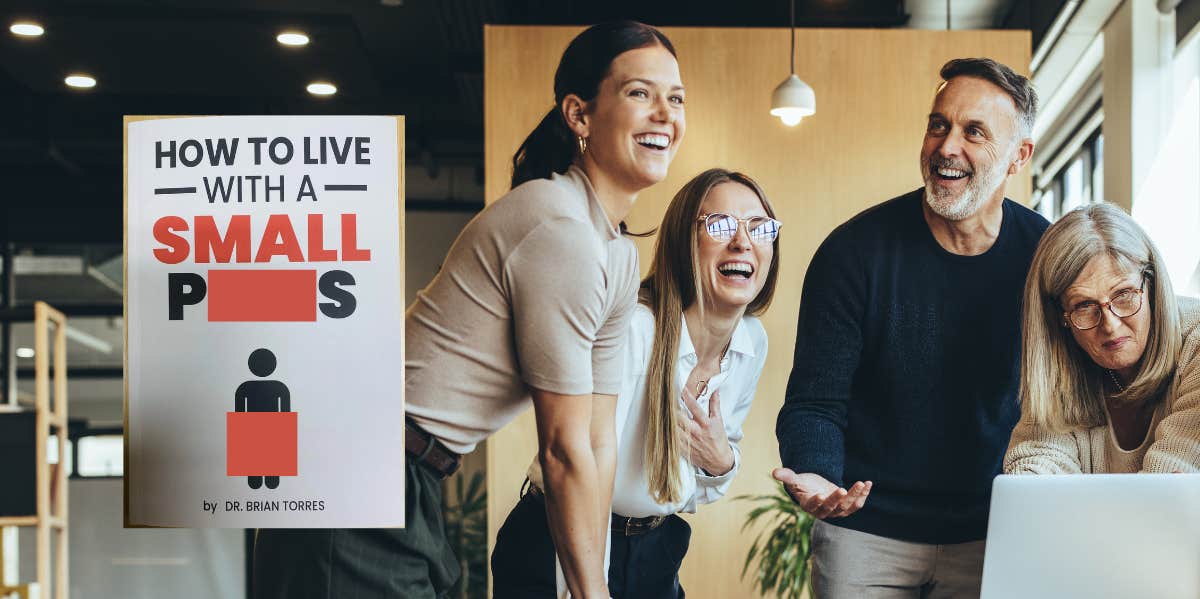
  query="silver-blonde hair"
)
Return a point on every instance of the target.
[{"x": 1061, "y": 386}]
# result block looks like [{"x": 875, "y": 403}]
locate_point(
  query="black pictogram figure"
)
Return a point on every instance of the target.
[{"x": 262, "y": 396}]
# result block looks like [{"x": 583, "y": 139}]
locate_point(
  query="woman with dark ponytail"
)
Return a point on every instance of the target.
[
  {"x": 559, "y": 141},
  {"x": 532, "y": 303},
  {"x": 694, "y": 351}
]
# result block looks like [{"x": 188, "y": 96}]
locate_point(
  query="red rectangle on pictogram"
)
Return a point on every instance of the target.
[
  {"x": 260, "y": 443},
  {"x": 262, "y": 295}
]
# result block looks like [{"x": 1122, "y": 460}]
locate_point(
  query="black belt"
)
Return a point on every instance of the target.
[
  {"x": 626, "y": 525},
  {"x": 425, "y": 448},
  {"x": 630, "y": 526}
]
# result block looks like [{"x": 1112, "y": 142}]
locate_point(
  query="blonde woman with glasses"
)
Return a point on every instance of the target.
[
  {"x": 1110, "y": 366},
  {"x": 694, "y": 351}
]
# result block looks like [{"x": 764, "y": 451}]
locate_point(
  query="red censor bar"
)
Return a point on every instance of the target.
[
  {"x": 262, "y": 295},
  {"x": 260, "y": 443}
]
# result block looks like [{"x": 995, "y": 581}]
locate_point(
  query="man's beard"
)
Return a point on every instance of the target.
[{"x": 980, "y": 187}]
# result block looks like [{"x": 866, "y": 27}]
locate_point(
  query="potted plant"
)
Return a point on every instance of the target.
[
  {"x": 782, "y": 548},
  {"x": 466, "y": 530}
]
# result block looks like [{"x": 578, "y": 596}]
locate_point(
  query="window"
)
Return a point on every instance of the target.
[
  {"x": 1098, "y": 168},
  {"x": 1079, "y": 183},
  {"x": 101, "y": 455}
]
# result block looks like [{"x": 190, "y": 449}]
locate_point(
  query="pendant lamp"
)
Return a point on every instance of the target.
[{"x": 793, "y": 99}]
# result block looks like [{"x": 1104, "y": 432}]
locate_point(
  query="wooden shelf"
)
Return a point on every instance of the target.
[
  {"x": 51, "y": 519},
  {"x": 22, "y": 591}
]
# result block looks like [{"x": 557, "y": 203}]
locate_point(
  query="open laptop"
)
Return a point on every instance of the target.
[{"x": 1095, "y": 536}]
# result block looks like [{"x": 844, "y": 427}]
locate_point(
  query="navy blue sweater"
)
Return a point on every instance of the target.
[{"x": 905, "y": 370}]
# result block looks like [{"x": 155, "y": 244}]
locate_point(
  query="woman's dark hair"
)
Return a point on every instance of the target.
[{"x": 551, "y": 147}]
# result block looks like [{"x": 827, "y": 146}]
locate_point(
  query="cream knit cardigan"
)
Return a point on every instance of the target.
[{"x": 1176, "y": 444}]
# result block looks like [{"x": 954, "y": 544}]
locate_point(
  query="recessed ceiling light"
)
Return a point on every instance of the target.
[
  {"x": 322, "y": 88},
  {"x": 292, "y": 38},
  {"x": 79, "y": 80},
  {"x": 392, "y": 2},
  {"x": 27, "y": 28},
  {"x": 24, "y": 352}
]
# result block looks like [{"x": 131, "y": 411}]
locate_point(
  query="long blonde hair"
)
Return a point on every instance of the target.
[
  {"x": 1060, "y": 383},
  {"x": 673, "y": 284}
]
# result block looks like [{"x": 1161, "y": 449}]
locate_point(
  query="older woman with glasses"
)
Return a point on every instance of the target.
[
  {"x": 694, "y": 351},
  {"x": 1110, "y": 366}
]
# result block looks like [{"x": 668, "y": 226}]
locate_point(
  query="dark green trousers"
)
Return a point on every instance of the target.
[{"x": 414, "y": 562}]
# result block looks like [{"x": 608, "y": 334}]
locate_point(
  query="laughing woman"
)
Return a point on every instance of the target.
[
  {"x": 693, "y": 356},
  {"x": 1110, "y": 366},
  {"x": 529, "y": 308}
]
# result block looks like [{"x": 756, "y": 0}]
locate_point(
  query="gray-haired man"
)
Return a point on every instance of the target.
[{"x": 904, "y": 382}]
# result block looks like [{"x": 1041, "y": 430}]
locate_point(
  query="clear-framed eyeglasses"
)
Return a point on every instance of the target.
[
  {"x": 1122, "y": 305},
  {"x": 722, "y": 227}
]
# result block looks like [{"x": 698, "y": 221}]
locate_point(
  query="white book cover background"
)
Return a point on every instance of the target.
[{"x": 344, "y": 375}]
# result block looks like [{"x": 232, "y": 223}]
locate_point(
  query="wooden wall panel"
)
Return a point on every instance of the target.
[{"x": 874, "y": 89}]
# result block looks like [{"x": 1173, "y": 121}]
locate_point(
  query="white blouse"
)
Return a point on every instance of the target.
[{"x": 736, "y": 381}]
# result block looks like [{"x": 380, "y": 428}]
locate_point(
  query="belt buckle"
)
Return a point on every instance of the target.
[{"x": 629, "y": 526}]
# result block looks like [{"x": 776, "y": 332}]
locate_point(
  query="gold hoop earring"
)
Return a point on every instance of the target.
[{"x": 582, "y": 143}]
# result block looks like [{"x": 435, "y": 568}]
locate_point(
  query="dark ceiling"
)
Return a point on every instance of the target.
[{"x": 60, "y": 149}]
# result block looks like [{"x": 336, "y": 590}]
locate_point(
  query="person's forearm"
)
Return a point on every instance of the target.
[
  {"x": 715, "y": 463},
  {"x": 811, "y": 439},
  {"x": 574, "y": 494},
  {"x": 710, "y": 488},
  {"x": 1033, "y": 450},
  {"x": 606, "y": 471},
  {"x": 603, "y": 434}
]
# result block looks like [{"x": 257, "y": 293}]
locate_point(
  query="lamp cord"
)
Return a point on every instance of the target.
[{"x": 792, "y": 56}]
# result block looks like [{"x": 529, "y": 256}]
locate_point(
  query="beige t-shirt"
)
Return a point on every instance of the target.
[{"x": 536, "y": 292}]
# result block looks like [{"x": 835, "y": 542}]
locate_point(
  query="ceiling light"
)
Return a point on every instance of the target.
[
  {"x": 80, "y": 80},
  {"x": 24, "y": 352},
  {"x": 793, "y": 99},
  {"x": 322, "y": 88},
  {"x": 392, "y": 2},
  {"x": 292, "y": 38},
  {"x": 26, "y": 28}
]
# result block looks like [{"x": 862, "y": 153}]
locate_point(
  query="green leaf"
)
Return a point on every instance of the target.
[
  {"x": 780, "y": 551},
  {"x": 466, "y": 531}
]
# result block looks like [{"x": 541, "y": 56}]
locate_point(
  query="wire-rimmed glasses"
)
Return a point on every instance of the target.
[
  {"x": 722, "y": 227},
  {"x": 1123, "y": 305}
]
